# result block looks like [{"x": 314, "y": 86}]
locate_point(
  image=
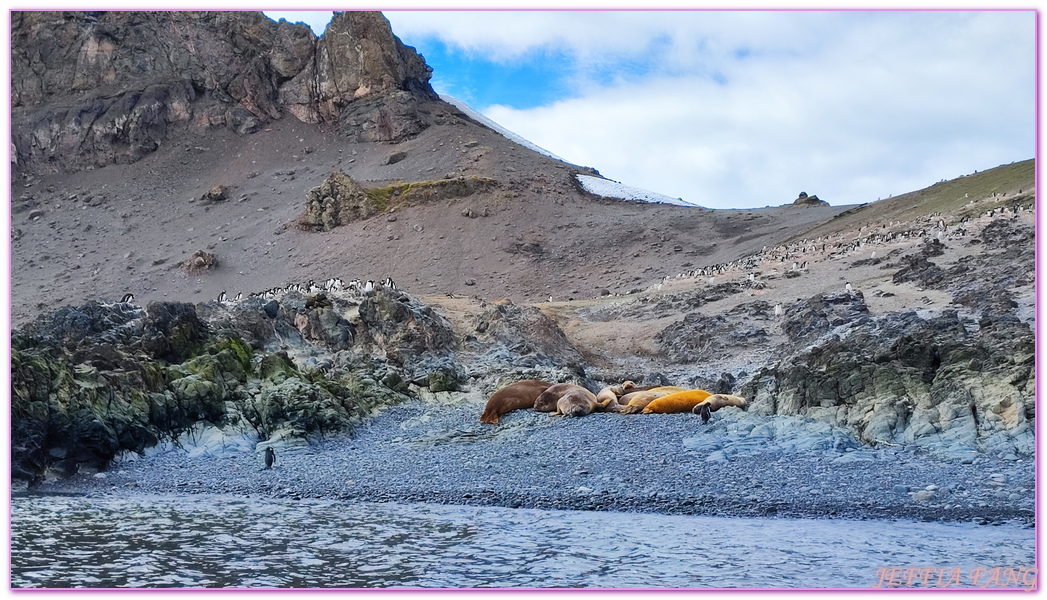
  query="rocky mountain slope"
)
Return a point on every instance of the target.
[
  {"x": 905, "y": 322},
  {"x": 110, "y": 191}
]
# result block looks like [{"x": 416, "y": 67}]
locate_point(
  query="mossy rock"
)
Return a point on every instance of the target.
[
  {"x": 277, "y": 367},
  {"x": 337, "y": 201},
  {"x": 304, "y": 407},
  {"x": 340, "y": 199},
  {"x": 422, "y": 192},
  {"x": 237, "y": 347},
  {"x": 173, "y": 331},
  {"x": 444, "y": 380}
]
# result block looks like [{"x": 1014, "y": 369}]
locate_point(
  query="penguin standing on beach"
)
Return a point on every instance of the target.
[
  {"x": 705, "y": 413},
  {"x": 270, "y": 457}
]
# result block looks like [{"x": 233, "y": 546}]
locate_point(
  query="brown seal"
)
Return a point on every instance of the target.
[
  {"x": 611, "y": 393},
  {"x": 515, "y": 396},
  {"x": 717, "y": 401},
  {"x": 613, "y": 396},
  {"x": 635, "y": 402},
  {"x": 576, "y": 403},
  {"x": 676, "y": 403},
  {"x": 546, "y": 401}
]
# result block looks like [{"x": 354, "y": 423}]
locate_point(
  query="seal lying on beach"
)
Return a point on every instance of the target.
[
  {"x": 611, "y": 393},
  {"x": 635, "y": 402},
  {"x": 547, "y": 401},
  {"x": 611, "y": 396},
  {"x": 677, "y": 403},
  {"x": 717, "y": 401},
  {"x": 577, "y": 403},
  {"x": 514, "y": 396}
]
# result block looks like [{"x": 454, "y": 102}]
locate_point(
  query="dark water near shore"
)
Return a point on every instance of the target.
[{"x": 222, "y": 541}]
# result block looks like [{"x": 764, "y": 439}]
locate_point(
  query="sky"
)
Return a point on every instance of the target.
[{"x": 742, "y": 109}]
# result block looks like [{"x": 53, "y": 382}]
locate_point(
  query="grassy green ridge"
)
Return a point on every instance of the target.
[
  {"x": 954, "y": 197},
  {"x": 404, "y": 194}
]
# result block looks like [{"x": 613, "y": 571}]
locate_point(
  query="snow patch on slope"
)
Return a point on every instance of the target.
[
  {"x": 594, "y": 185},
  {"x": 613, "y": 189}
]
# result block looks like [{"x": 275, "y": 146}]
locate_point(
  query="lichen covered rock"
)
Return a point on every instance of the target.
[
  {"x": 902, "y": 379},
  {"x": 337, "y": 201}
]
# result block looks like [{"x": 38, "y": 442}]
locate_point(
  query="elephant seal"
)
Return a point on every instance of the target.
[
  {"x": 576, "y": 403},
  {"x": 610, "y": 396},
  {"x": 635, "y": 402},
  {"x": 514, "y": 396},
  {"x": 611, "y": 393},
  {"x": 546, "y": 401},
  {"x": 676, "y": 403},
  {"x": 717, "y": 401}
]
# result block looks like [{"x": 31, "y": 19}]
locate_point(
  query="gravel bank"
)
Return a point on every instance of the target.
[{"x": 668, "y": 464}]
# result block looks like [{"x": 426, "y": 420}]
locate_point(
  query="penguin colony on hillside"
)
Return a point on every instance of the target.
[
  {"x": 354, "y": 287},
  {"x": 333, "y": 284},
  {"x": 833, "y": 247},
  {"x": 838, "y": 246}
]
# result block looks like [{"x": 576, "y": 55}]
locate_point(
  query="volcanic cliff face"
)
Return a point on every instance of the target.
[{"x": 97, "y": 88}]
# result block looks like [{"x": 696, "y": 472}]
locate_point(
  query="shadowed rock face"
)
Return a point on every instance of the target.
[
  {"x": 903, "y": 379},
  {"x": 98, "y": 88},
  {"x": 92, "y": 381}
]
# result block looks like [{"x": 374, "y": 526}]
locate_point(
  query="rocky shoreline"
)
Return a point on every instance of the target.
[
  {"x": 738, "y": 465},
  {"x": 369, "y": 393}
]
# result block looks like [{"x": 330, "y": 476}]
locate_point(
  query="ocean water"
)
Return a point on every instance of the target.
[{"x": 225, "y": 541}]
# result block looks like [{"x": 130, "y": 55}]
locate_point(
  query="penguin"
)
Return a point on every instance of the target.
[
  {"x": 239, "y": 296},
  {"x": 127, "y": 298},
  {"x": 705, "y": 413},
  {"x": 270, "y": 457},
  {"x": 221, "y": 297}
]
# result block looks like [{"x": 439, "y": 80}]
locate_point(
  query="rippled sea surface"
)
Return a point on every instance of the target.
[{"x": 220, "y": 541}]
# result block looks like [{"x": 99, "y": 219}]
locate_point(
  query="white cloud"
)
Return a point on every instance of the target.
[
  {"x": 852, "y": 108},
  {"x": 747, "y": 108}
]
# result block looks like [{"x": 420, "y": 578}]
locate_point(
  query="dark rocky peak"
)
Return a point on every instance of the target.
[
  {"x": 91, "y": 89},
  {"x": 804, "y": 200},
  {"x": 67, "y": 57}
]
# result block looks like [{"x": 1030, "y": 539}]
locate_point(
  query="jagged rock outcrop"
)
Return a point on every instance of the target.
[
  {"x": 527, "y": 331},
  {"x": 91, "y": 382},
  {"x": 804, "y": 200},
  {"x": 96, "y": 88},
  {"x": 943, "y": 382},
  {"x": 358, "y": 57},
  {"x": 699, "y": 337},
  {"x": 340, "y": 199},
  {"x": 337, "y": 201}
]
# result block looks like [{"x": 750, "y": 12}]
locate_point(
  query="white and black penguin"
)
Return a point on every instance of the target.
[
  {"x": 127, "y": 298},
  {"x": 270, "y": 457},
  {"x": 705, "y": 413},
  {"x": 221, "y": 297},
  {"x": 239, "y": 296}
]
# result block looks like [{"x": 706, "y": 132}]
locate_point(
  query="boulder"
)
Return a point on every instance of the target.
[
  {"x": 200, "y": 262},
  {"x": 337, "y": 201}
]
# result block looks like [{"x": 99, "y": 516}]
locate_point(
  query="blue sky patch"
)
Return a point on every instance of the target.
[{"x": 537, "y": 79}]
